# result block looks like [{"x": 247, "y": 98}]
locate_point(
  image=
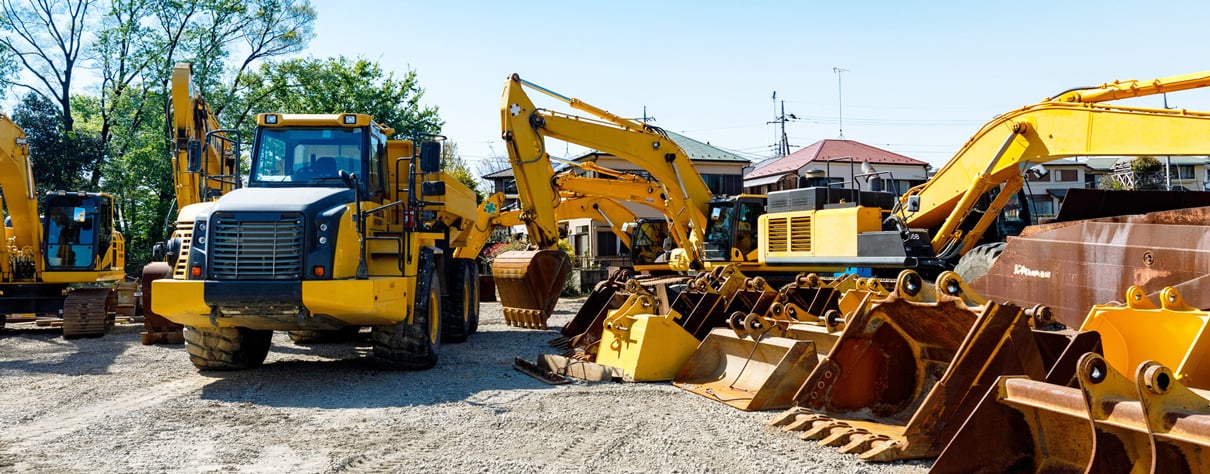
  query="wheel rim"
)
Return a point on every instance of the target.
[
  {"x": 434, "y": 314},
  {"x": 467, "y": 299}
]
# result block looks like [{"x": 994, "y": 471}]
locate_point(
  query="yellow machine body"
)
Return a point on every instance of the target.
[{"x": 793, "y": 235}]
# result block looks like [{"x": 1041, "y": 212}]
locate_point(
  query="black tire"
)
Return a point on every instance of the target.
[
  {"x": 978, "y": 261},
  {"x": 460, "y": 310},
  {"x": 227, "y": 348},
  {"x": 412, "y": 346},
  {"x": 318, "y": 336}
]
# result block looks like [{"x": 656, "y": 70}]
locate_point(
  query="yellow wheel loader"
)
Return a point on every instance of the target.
[
  {"x": 339, "y": 226},
  {"x": 62, "y": 263}
]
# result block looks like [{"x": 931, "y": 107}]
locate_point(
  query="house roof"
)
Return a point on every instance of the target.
[
  {"x": 831, "y": 150},
  {"x": 699, "y": 151}
]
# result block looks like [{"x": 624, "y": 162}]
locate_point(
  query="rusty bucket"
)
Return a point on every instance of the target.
[
  {"x": 1108, "y": 423},
  {"x": 529, "y": 282},
  {"x": 748, "y": 374},
  {"x": 904, "y": 374}
]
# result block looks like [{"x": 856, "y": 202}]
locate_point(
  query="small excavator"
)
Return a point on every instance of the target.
[{"x": 64, "y": 262}]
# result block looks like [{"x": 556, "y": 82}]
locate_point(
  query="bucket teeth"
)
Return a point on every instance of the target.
[
  {"x": 525, "y": 318},
  {"x": 827, "y": 432}
]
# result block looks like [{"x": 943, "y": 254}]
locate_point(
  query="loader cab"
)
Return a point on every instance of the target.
[
  {"x": 731, "y": 227},
  {"x": 313, "y": 151},
  {"x": 78, "y": 227}
]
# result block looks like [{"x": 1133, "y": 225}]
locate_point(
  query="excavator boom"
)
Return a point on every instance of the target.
[{"x": 1000, "y": 152}]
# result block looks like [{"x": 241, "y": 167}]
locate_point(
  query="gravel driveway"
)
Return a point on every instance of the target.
[{"x": 114, "y": 405}]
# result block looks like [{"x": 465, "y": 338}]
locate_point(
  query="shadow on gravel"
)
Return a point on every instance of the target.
[
  {"x": 85, "y": 356},
  {"x": 463, "y": 371}
]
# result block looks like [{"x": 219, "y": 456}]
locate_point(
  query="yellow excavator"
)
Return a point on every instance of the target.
[
  {"x": 204, "y": 167},
  {"x": 66, "y": 260},
  {"x": 525, "y": 130}
]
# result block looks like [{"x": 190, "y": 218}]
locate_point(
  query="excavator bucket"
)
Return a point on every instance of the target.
[
  {"x": 1098, "y": 259},
  {"x": 1173, "y": 334},
  {"x": 904, "y": 374},
  {"x": 748, "y": 374},
  {"x": 645, "y": 347},
  {"x": 529, "y": 282},
  {"x": 582, "y": 334},
  {"x": 158, "y": 330},
  {"x": 599, "y": 300},
  {"x": 648, "y": 345},
  {"x": 1107, "y": 423},
  {"x": 770, "y": 348}
]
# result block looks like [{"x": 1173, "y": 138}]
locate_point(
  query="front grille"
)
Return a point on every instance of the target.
[{"x": 256, "y": 249}]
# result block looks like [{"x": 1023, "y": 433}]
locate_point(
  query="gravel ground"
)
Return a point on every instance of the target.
[{"x": 114, "y": 405}]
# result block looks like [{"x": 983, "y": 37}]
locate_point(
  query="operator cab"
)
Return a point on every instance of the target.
[
  {"x": 649, "y": 241},
  {"x": 731, "y": 227},
  {"x": 78, "y": 228},
  {"x": 292, "y": 152}
]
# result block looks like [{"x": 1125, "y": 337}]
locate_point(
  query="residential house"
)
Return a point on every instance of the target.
[{"x": 847, "y": 163}]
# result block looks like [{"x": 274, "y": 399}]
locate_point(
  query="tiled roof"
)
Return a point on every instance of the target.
[
  {"x": 699, "y": 151},
  {"x": 831, "y": 150}
]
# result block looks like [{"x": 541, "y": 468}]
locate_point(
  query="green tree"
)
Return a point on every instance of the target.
[
  {"x": 453, "y": 164},
  {"x": 47, "y": 38},
  {"x": 62, "y": 159},
  {"x": 1148, "y": 172},
  {"x": 336, "y": 85}
]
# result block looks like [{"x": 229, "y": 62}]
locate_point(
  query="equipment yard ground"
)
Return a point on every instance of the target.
[{"x": 113, "y": 405}]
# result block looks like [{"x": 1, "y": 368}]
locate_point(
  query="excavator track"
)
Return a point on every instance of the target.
[{"x": 88, "y": 312}]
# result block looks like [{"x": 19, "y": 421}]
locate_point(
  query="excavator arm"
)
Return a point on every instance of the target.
[
  {"x": 526, "y": 127},
  {"x": 17, "y": 185},
  {"x": 1075, "y": 123},
  {"x": 202, "y": 169}
]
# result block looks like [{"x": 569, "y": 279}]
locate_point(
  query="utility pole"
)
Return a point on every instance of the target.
[
  {"x": 783, "y": 146},
  {"x": 840, "y": 99}
]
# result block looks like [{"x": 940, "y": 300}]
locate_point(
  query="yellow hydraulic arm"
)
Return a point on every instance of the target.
[
  {"x": 191, "y": 122},
  {"x": 1073, "y": 124},
  {"x": 571, "y": 206},
  {"x": 526, "y": 127},
  {"x": 21, "y": 199}
]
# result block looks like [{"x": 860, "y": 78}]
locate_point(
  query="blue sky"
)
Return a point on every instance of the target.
[{"x": 922, "y": 76}]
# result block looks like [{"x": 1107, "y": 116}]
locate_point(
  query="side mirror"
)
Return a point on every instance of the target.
[
  {"x": 194, "y": 152},
  {"x": 158, "y": 252},
  {"x": 433, "y": 188},
  {"x": 349, "y": 179},
  {"x": 430, "y": 157},
  {"x": 913, "y": 204}
]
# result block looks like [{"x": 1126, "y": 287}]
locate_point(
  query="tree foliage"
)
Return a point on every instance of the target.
[
  {"x": 62, "y": 159},
  {"x": 453, "y": 164},
  {"x": 336, "y": 85}
]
